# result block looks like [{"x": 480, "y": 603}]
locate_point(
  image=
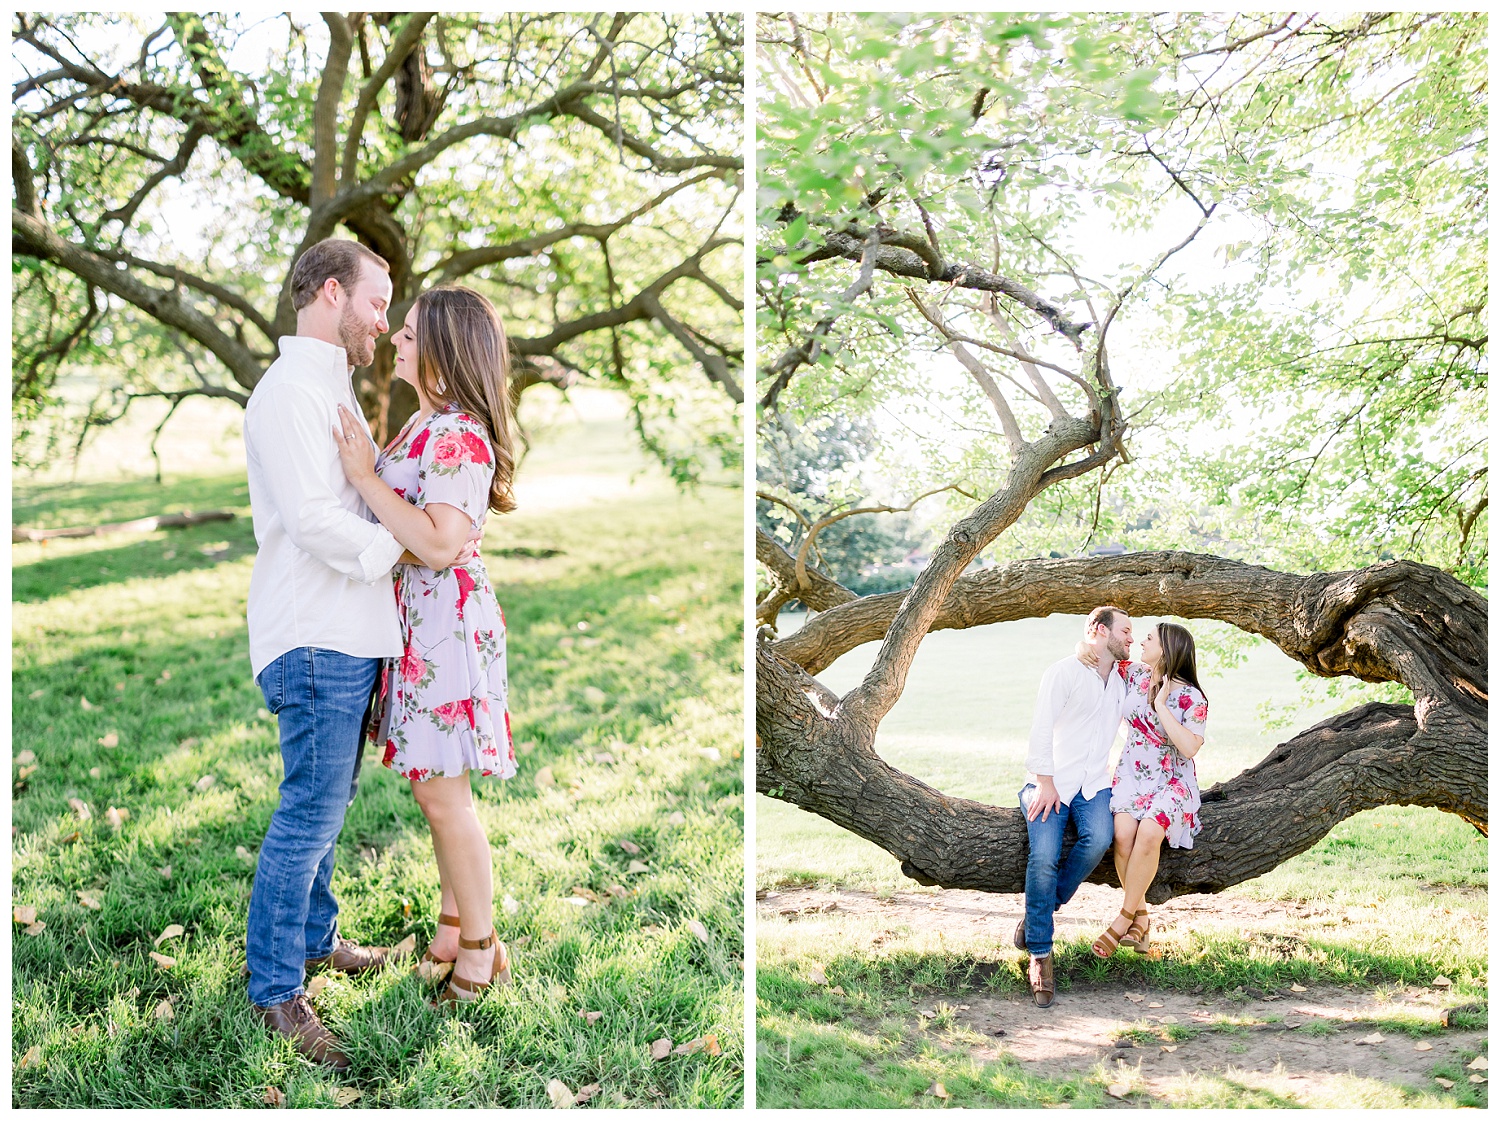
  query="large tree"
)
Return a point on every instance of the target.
[
  {"x": 1214, "y": 280},
  {"x": 581, "y": 168}
]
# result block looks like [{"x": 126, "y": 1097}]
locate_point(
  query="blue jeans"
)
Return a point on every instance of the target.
[
  {"x": 1051, "y": 880},
  {"x": 319, "y": 698}
]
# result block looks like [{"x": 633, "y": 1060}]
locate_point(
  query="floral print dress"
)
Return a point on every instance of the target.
[
  {"x": 442, "y": 706},
  {"x": 1153, "y": 779}
]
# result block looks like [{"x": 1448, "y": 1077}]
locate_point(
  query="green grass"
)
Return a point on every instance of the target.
[
  {"x": 1392, "y": 896},
  {"x": 628, "y": 642}
]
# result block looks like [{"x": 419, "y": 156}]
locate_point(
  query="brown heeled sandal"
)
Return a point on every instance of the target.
[
  {"x": 499, "y": 971},
  {"x": 430, "y": 966},
  {"x": 1108, "y": 942},
  {"x": 1138, "y": 937}
]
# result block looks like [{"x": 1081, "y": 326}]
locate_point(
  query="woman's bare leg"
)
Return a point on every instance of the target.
[
  {"x": 1145, "y": 855},
  {"x": 1124, "y": 842},
  {"x": 463, "y": 853}
]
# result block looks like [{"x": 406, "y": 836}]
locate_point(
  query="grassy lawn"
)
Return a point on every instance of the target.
[
  {"x": 1390, "y": 898},
  {"x": 623, "y": 599}
]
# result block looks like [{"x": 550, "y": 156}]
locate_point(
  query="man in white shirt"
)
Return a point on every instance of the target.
[
  {"x": 322, "y": 613},
  {"x": 1078, "y": 711}
]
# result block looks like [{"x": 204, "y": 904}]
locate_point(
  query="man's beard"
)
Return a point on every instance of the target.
[
  {"x": 354, "y": 337},
  {"x": 1119, "y": 649}
]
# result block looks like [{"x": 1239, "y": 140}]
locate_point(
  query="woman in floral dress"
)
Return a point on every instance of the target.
[
  {"x": 441, "y": 710},
  {"x": 1155, "y": 790}
]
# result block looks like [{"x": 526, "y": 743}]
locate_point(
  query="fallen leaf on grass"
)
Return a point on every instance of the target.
[
  {"x": 617, "y": 890},
  {"x": 406, "y": 946},
  {"x": 1169, "y": 1047},
  {"x": 676, "y": 817},
  {"x": 24, "y": 915},
  {"x": 699, "y": 930},
  {"x": 630, "y": 847},
  {"x": 708, "y": 1044},
  {"x": 1117, "y": 1089},
  {"x": 1373, "y": 1037},
  {"x": 70, "y": 838},
  {"x": 1137, "y": 997},
  {"x": 586, "y": 893},
  {"x": 577, "y": 901},
  {"x": 32, "y": 1058},
  {"x": 274, "y": 1098},
  {"x": 1440, "y": 983},
  {"x": 660, "y": 1049},
  {"x": 710, "y": 753},
  {"x": 171, "y": 932},
  {"x": 1168, "y": 1019},
  {"x": 166, "y": 871},
  {"x": 83, "y": 703},
  {"x": 205, "y": 782},
  {"x": 544, "y": 777},
  {"x": 116, "y": 817},
  {"x": 1479, "y": 1063},
  {"x": 435, "y": 970},
  {"x": 37, "y": 694},
  {"x": 35, "y": 928},
  {"x": 162, "y": 961},
  {"x": 26, "y": 772},
  {"x": 938, "y": 1090},
  {"x": 110, "y": 739},
  {"x": 586, "y": 1092},
  {"x": 603, "y": 757},
  {"x": 95, "y": 772},
  {"x": 838, "y": 989},
  {"x": 926, "y": 1013},
  {"x": 1296, "y": 988},
  {"x": 636, "y": 866},
  {"x": 561, "y": 1095},
  {"x": 30, "y": 757},
  {"x": 1421, "y": 1045},
  {"x": 316, "y": 985},
  {"x": 164, "y": 1011},
  {"x": 1155, "y": 1004},
  {"x": 1478, "y": 1079},
  {"x": 346, "y": 1095},
  {"x": 243, "y": 853},
  {"x": 1444, "y": 1083},
  {"x": 509, "y": 905},
  {"x": 166, "y": 675},
  {"x": 816, "y": 976},
  {"x": 590, "y": 1017},
  {"x": 89, "y": 901}
]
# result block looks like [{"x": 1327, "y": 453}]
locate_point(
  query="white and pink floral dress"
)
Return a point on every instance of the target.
[
  {"x": 1153, "y": 779},
  {"x": 442, "y": 706}
]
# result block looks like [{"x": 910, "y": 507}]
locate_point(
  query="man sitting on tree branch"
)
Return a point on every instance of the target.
[{"x": 1078, "y": 709}]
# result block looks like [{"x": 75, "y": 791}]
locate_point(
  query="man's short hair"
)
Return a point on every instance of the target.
[
  {"x": 1104, "y": 616},
  {"x": 335, "y": 257}
]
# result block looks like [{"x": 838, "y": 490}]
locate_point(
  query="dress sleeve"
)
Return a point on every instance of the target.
[
  {"x": 1191, "y": 709},
  {"x": 455, "y": 465}
]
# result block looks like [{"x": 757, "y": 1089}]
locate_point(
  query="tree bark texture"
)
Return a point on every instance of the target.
[{"x": 1395, "y": 621}]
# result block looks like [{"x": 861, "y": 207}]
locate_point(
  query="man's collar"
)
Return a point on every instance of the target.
[{"x": 316, "y": 350}]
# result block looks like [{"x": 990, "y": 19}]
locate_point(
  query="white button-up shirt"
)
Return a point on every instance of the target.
[
  {"x": 1077, "y": 716},
  {"x": 322, "y": 575}
]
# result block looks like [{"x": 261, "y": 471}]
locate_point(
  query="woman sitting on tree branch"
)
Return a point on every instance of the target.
[{"x": 1155, "y": 789}]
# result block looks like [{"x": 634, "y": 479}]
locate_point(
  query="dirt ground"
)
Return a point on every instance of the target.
[{"x": 1085, "y": 1026}]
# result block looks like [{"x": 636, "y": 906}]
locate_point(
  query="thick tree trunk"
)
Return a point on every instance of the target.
[{"x": 1390, "y": 622}]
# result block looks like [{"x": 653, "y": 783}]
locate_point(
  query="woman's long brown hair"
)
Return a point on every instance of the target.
[
  {"x": 1179, "y": 656},
  {"x": 463, "y": 359}
]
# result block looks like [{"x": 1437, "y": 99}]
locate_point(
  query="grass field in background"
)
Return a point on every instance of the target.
[
  {"x": 625, "y": 662},
  {"x": 1395, "y": 896}
]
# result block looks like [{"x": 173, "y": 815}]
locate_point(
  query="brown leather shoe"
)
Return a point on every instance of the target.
[
  {"x": 1019, "y": 939},
  {"x": 351, "y": 957},
  {"x": 296, "y": 1020},
  {"x": 1040, "y": 976}
]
